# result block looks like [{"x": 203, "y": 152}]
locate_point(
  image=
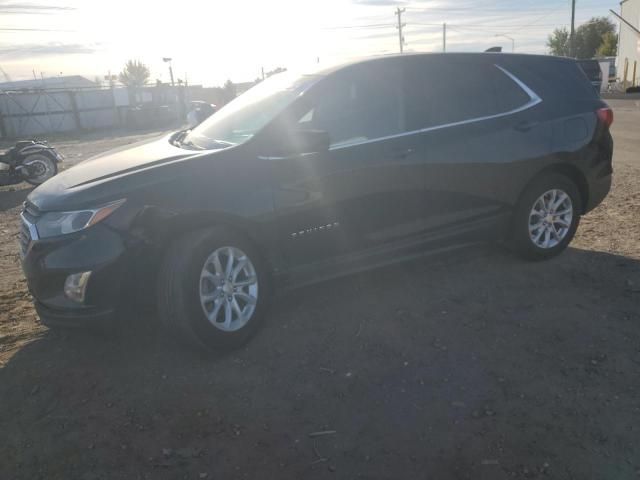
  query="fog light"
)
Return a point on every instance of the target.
[{"x": 75, "y": 286}]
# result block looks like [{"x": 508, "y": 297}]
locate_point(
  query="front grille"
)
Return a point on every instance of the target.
[
  {"x": 30, "y": 210},
  {"x": 24, "y": 237},
  {"x": 28, "y": 231}
]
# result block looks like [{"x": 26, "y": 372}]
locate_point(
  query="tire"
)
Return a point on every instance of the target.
[
  {"x": 49, "y": 164},
  {"x": 183, "y": 281},
  {"x": 534, "y": 246}
]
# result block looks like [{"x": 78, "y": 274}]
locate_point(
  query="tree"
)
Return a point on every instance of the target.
[
  {"x": 135, "y": 74},
  {"x": 558, "y": 42},
  {"x": 589, "y": 37},
  {"x": 609, "y": 46},
  {"x": 229, "y": 91}
]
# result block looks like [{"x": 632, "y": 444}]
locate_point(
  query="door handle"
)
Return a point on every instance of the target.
[
  {"x": 401, "y": 152},
  {"x": 526, "y": 126}
]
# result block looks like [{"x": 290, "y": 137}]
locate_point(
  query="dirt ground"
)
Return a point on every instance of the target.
[{"x": 473, "y": 366}]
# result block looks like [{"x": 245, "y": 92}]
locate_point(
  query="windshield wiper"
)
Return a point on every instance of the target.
[
  {"x": 222, "y": 143},
  {"x": 179, "y": 141},
  {"x": 189, "y": 144}
]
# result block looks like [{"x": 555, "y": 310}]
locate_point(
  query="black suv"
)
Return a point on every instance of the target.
[{"x": 310, "y": 176}]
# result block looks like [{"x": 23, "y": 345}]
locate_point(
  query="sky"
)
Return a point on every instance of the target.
[{"x": 211, "y": 41}]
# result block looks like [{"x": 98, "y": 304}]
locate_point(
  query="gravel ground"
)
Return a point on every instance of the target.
[{"x": 473, "y": 366}]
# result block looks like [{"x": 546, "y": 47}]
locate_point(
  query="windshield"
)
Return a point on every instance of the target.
[{"x": 243, "y": 117}]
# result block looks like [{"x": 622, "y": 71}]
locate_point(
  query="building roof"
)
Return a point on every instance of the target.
[{"x": 68, "y": 81}]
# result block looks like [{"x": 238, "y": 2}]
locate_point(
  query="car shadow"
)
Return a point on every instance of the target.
[{"x": 474, "y": 365}]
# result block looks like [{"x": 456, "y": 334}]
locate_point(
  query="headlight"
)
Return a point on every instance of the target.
[{"x": 53, "y": 224}]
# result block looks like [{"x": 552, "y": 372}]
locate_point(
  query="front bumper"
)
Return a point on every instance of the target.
[
  {"x": 75, "y": 318},
  {"x": 48, "y": 262}
]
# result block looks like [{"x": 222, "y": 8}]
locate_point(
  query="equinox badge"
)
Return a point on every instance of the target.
[{"x": 307, "y": 231}]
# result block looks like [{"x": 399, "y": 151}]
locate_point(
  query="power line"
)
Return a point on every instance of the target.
[
  {"x": 373, "y": 25},
  {"x": 482, "y": 25}
]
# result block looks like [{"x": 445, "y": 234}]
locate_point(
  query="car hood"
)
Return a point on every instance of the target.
[{"x": 100, "y": 170}]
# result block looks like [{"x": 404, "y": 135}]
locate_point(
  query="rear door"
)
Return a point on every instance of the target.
[{"x": 469, "y": 122}]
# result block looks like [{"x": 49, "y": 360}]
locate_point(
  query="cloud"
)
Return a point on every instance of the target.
[
  {"x": 30, "y": 8},
  {"x": 43, "y": 50},
  {"x": 371, "y": 36},
  {"x": 380, "y": 3},
  {"x": 386, "y": 3}
]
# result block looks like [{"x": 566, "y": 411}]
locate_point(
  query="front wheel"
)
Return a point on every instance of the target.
[
  {"x": 213, "y": 288},
  {"x": 546, "y": 217},
  {"x": 40, "y": 168}
]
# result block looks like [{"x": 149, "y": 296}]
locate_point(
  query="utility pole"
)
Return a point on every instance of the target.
[
  {"x": 399, "y": 12},
  {"x": 572, "y": 38},
  {"x": 173, "y": 84},
  {"x": 168, "y": 60},
  {"x": 444, "y": 37}
]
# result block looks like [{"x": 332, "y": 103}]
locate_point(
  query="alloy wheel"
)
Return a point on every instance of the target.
[
  {"x": 228, "y": 289},
  {"x": 550, "y": 218}
]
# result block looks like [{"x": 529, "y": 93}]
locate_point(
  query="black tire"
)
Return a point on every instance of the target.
[
  {"x": 179, "y": 286},
  {"x": 42, "y": 157},
  {"x": 522, "y": 242}
]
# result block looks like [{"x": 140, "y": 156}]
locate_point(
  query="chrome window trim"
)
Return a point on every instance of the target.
[
  {"x": 295, "y": 155},
  {"x": 534, "y": 99}
]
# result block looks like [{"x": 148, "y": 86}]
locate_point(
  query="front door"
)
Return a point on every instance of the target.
[{"x": 341, "y": 202}]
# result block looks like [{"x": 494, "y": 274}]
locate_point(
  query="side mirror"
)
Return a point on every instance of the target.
[{"x": 306, "y": 141}]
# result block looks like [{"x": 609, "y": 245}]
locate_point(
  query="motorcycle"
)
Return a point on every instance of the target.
[{"x": 34, "y": 161}]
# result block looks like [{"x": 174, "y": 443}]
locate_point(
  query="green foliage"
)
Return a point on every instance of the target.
[
  {"x": 609, "y": 46},
  {"x": 135, "y": 74},
  {"x": 558, "y": 42},
  {"x": 591, "y": 38}
]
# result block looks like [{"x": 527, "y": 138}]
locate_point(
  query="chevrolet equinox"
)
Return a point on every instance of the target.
[{"x": 310, "y": 176}]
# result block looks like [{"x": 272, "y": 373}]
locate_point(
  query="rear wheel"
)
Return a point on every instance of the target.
[
  {"x": 213, "y": 288},
  {"x": 547, "y": 217},
  {"x": 41, "y": 167}
]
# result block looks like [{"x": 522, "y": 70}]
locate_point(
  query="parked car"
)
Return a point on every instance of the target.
[
  {"x": 307, "y": 177},
  {"x": 593, "y": 72},
  {"x": 199, "y": 111}
]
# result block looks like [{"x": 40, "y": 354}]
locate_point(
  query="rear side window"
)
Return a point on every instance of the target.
[
  {"x": 508, "y": 94},
  {"x": 357, "y": 104},
  {"x": 557, "y": 80},
  {"x": 442, "y": 92},
  {"x": 591, "y": 69}
]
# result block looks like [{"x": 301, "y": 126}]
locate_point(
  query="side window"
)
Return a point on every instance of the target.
[
  {"x": 441, "y": 92},
  {"x": 355, "y": 105},
  {"x": 509, "y": 95}
]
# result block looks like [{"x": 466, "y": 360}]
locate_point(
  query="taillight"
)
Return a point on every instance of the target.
[{"x": 605, "y": 115}]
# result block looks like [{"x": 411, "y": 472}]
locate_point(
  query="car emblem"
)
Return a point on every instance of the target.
[{"x": 310, "y": 230}]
